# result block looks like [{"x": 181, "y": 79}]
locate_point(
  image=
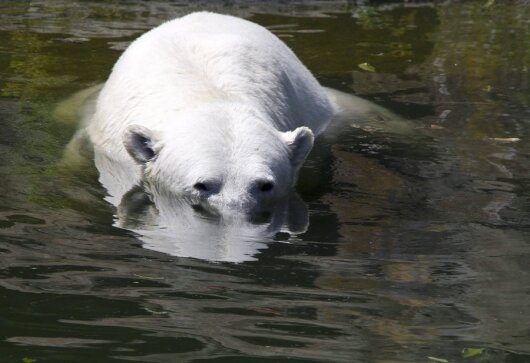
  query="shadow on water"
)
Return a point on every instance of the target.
[{"x": 416, "y": 247}]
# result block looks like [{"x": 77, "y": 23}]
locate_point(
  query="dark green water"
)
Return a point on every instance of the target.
[{"x": 416, "y": 247}]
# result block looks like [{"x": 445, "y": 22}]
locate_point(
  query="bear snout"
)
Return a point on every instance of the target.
[{"x": 233, "y": 204}]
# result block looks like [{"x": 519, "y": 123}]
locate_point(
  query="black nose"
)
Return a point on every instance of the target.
[
  {"x": 201, "y": 187},
  {"x": 266, "y": 186}
]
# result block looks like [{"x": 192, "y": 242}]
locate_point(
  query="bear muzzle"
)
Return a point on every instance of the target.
[{"x": 232, "y": 205}]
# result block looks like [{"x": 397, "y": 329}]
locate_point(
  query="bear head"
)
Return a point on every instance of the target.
[{"x": 226, "y": 158}]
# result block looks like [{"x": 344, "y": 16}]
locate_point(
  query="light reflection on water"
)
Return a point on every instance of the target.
[{"x": 416, "y": 246}]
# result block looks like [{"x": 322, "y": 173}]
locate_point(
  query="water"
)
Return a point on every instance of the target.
[{"x": 416, "y": 246}]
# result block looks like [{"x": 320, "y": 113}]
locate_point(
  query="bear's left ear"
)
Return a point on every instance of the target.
[
  {"x": 300, "y": 142},
  {"x": 139, "y": 143}
]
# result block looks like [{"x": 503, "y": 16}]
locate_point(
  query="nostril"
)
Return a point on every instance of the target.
[
  {"x": 266, "y": 186},
  {"x": 201, "y": 187}
]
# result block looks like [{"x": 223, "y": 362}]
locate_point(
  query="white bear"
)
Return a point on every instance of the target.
[
  {"x": 211, "y": 107},
  {"x": 202, "y": 118}
]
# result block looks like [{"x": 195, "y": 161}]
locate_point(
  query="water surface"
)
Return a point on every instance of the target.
[{"x": 416, "y": 246}]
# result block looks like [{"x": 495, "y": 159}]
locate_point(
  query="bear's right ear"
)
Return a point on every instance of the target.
[
  {"x": 300, "y": 142},
  {"x": 139, "y": 143}
]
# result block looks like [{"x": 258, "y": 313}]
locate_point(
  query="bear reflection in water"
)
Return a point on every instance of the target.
[{"x": 177, "y": 227}]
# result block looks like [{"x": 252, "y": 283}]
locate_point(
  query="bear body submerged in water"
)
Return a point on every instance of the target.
[
  {"x": 199, "y": 133},
  {"x": 210, "y": 107}
]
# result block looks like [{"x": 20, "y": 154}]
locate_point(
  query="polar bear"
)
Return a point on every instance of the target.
[
  {"x": 202, "y": 126},
  {"x": 212, "y": 107}
]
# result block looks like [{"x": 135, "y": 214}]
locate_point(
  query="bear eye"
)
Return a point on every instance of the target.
[
  {"x": 266, "y": 186},
  {"x": 201, "y": 187}
]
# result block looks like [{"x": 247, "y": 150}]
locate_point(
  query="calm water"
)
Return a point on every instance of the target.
[{"x": 416, "y": 245}]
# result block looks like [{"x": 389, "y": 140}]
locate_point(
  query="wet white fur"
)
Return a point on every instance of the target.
[{"x": 223, "y": 100}]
